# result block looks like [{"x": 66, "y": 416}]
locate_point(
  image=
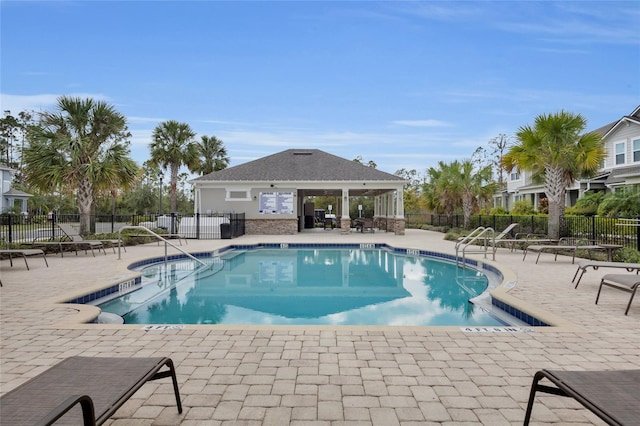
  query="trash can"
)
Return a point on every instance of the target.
[{"x": 225, "y": 231}]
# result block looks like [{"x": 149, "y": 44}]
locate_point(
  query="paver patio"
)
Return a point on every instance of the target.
[{"x": 278, "y": 375}]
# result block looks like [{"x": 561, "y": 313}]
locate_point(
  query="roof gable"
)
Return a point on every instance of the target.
[
  {"x": 634, "y": 118},
  {"x": 300, "y": 165}
]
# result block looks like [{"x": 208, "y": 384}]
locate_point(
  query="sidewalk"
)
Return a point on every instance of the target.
[{"x": 278, "y": 375}]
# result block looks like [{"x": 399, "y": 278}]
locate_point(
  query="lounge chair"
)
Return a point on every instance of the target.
[
  {"x": 523, "y": 240},
  {"x": 99, "y": 385},
  {"x": 74, "y": 243},
  {"x": 24, "y": 253},
  {"x": 502, "y": 237},
  {"x": 564, "y": 244},
  {"x": 59, "y": 245},
  {"x": 506, "y": 231},
  {"x": 614, "y": 396},
  {"x": 595, "y": 264},
  {"x": 624, "y": 282},
  {"x": 71, "y": 233}
]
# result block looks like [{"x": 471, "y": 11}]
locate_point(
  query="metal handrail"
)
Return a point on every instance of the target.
[
  {"x": 487, "y": 234},
  {"x": 467, "y": 238},
  {"x": 144, "y": 228}
]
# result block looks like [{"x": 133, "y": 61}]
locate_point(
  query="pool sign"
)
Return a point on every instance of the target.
[
  {"x": 497, "y": 329},
  {"x": 276, "y": 203},
  {"x": 162, "y": 327}
]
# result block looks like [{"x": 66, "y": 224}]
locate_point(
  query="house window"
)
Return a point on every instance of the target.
[
  {"x": 636, "y": 151},
  {"x": 238, "y": 195},
  {"x": 620, "y": 148},
  {"x": 515, "y": 175}
]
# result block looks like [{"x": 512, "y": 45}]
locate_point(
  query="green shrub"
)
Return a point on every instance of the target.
[
  {"x": 627, "y": 255},
  {"x": 620, "y": 204},
  {"x": 543, "y": 206},
  {"x": 587, "y": 205},
  {"x": 523, "y": 207},
  {"x": 499, "y": 210},
  {"x": 454, "y": 233}
]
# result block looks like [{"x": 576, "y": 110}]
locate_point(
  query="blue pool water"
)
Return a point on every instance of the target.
[{"x": 338, "y": 286}]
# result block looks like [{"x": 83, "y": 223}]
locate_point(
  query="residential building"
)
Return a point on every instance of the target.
[
  {"x": 11, "y": 197},
  {"x": 274, "y": 191},
  {"x": 620, "y": 168}
]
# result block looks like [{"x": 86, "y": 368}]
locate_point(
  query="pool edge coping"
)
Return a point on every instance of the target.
[{"x": 85, "y": 314}]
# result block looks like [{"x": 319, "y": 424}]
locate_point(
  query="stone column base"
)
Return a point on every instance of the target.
[{"x": 345, "y": 225}]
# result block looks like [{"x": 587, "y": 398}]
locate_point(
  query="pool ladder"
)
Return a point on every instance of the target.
[
  {"x": 160, "y": 238},
  {"x": 478, "y": 241}
]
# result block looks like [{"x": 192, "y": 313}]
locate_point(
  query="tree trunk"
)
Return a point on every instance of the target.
[
  {"x": 174, "y": 187},
  {"x": 467, "y": 208},
  {"x": 85, "y": 202},
  {"x": 555, "y": 187}
]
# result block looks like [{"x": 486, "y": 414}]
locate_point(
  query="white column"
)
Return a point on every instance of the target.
[
  {"x": 400, "y": 204},
  {"x": 345, "y": 202}
]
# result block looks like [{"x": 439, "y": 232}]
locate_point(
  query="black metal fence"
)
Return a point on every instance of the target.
[
  {"x": 599, "y": 230},
  {"x": 17, "y": 228}
]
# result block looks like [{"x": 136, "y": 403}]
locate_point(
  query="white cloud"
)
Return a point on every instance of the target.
[
  {"x": 17, "y": 103},
  {"x": 136, "y": 119},
  {"x": 41, "y": 102},
  {"x": 422, "y": 123}
]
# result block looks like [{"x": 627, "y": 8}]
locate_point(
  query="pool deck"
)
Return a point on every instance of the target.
[{"x": 327, "y": 375}]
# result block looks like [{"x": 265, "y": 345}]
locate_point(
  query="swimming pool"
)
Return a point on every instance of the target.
[{"x": 306, "y": 284}]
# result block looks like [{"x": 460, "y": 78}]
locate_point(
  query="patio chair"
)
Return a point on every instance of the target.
[
  {"x": 595, "y": 264},
  {"x": 24, "y": 253},
  {"x": 624, "y": 282},
  {"x": 367, "y": 224},
  {"x": 329, "y": 222},
  {"x": 502, "y": 237},
  {"x": 99, "y": 385},
  {"x": 505, "y": 233},
  {"x": 523, "y": 240},
  {"x": 564, "y": 244},
  {"x": 44, "y": 245},
  {"x": 614, "y": 396},
  {"x": 71, "y": 233}
]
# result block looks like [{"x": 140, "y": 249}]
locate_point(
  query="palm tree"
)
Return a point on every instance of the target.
[
  {"x": 473, "y": 184},
  {"x": 116, "y": 174},
  {"x": 557, "y": 152},
  {"x": 173, "y": 146},
  {"x": 457, "y": 184},
  {"x": 82, "y": 148},
  {"x": 212, "y": 156},
  {"x": 442, "y": 192}
]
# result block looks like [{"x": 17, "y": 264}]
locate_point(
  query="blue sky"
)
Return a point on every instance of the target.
[{"x": 403, "y": 84}]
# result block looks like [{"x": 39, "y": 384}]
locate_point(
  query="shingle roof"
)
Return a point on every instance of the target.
[
  {"x": 605, "y": 129},
  {"x": 634, "y": 117},
  {"x": 300, "y": 165},
  {"x": 618, "y": 175},
  {"x": 17, "y": 193}
]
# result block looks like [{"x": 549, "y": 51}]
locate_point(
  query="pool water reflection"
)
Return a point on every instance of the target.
[{"x": 307, "y": 286}]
